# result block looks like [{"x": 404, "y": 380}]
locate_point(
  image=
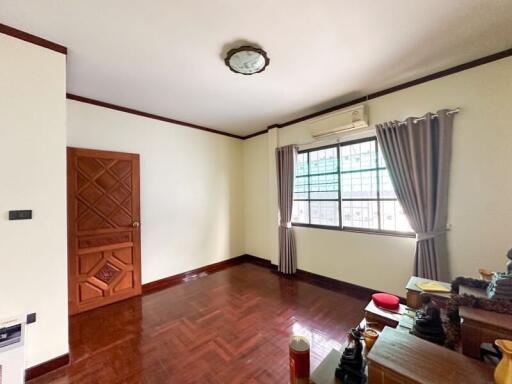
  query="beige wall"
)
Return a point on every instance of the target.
[
  {"x": 480, "y": 205},
  {"x": 33, "y": 254},
  {"x": 257, "y": 192},
  {"x": 191, "y": 186}
]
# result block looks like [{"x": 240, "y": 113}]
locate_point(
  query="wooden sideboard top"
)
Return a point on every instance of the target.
[
  {"x": 481, "y": 316},
  {"x": 487, "y": 318},
  {"x": 424, "y": 362},
  {"x": 411, "y": 286}
]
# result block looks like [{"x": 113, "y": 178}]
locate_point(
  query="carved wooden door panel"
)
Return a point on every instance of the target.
[{"x": 103, "y": 228}]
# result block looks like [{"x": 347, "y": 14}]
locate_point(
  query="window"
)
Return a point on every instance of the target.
[{"x": 346, "y": 186}]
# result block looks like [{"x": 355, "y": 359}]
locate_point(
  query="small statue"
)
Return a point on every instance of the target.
[
  {"x": 350, "y": 370},
  {"x": 428, "y": 324},
  {"x": 500, "y": 286}
]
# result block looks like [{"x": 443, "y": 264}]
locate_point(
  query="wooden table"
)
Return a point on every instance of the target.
[
  {"x": 375, "y": 318},
  {"x": 413, "y": 293},
  {"x": 324, "y": 373},
  {"x": 479, "y": 326},
  {"x": 398, "y": 357},
  {"x": 374, "y": 314}
]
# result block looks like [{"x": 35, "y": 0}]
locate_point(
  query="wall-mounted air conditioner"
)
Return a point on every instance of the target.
[
  {"x": 12, "y": 350},
  {"x": 347, "y": 120}
]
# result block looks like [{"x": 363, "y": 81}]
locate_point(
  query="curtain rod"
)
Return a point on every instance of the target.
[{"x": 433, "y": 115}]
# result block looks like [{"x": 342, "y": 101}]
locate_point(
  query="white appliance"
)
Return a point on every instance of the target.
[
  {"x": 347, "y": 120},
  {"x": 12, "y": 351}
]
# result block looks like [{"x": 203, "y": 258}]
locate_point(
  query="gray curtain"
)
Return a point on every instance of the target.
[
  {"x": 285, "y": 160},
  {"x": 418, "y": 155}
]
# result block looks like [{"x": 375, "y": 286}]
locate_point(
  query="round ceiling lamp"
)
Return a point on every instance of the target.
[{"x": 247, "y": 60}]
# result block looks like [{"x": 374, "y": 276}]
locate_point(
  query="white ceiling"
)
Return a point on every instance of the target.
[{"x": 166, "y": 56}]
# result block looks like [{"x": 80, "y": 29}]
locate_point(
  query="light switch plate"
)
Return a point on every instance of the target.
[
  {"x": 25, "y": 214},
  {"x": 31, "y": 318}
]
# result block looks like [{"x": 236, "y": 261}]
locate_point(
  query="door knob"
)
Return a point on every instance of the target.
[{"x": 135, "y": 224}]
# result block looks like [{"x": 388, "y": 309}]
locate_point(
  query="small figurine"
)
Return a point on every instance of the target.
[
  {"x": 428, "y": 324},
  {"x": 350, "y": 370},
  {"x": 500, "y": 286}
]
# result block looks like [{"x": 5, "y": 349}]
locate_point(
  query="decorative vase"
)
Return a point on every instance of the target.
[
  {"x": 503, "y": 372},
  {"x": 299, "y": 360}
]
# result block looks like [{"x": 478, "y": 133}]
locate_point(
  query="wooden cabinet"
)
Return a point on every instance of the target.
[
  {"x": 413, "y": 293},
  {"x": 479, "y": 326},
  {"x": 400, "y": 358},
  {"x": 381, "y": 375}
]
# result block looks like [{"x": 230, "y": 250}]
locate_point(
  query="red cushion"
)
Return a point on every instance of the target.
[{"x": 386, "y": 301}]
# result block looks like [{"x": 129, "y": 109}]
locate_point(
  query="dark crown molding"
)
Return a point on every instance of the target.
[
  {"x": 396, "y": 88},
  {"x": 148, "y": 115},
  {"x": 257, "y": 133},
  {"x": 6, "y": 30}
]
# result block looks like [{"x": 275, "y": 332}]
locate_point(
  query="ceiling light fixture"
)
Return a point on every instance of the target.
[{"x": 247, "y": 60}]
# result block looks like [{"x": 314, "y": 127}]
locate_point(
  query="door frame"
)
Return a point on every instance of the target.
[{"x": 71, "y": 228}]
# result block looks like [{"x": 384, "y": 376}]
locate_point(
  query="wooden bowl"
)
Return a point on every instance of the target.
[{"x": 485, "y": 274}]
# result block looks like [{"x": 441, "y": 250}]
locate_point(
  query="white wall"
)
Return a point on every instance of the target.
[
  {"x": 257, "y": 192},
  {"x": 480, "y": 203},
  {"x": 33, "y": 254},
  {"x": 191, "y": 186}
]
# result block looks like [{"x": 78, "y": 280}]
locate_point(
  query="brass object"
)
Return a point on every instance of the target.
[
  {"x": 485, "y": 274},
  {"x": 503, "y": 372},
  {"x": 370, "y": 337}
]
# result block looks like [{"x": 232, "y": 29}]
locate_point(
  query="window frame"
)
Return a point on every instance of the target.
[{"x": 340, "y": 226}]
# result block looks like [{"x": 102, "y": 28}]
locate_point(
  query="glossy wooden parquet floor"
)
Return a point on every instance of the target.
[{"x": 232, "y": 326}]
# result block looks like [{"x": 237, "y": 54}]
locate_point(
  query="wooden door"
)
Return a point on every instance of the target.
[{"x": 103, "y": 228}]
